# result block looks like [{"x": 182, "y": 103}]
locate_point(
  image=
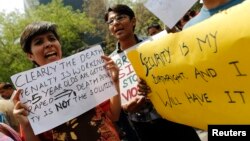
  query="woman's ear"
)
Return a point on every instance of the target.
[{"x": 30, "y": 56}]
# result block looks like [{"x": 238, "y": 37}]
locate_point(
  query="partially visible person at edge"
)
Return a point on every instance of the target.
[
  {"x": 40, "y": 41},
  {"x": 179, "y": 25},
  {"x": 6, "y": 90},
  {"x": 154, "y": 29},
  {"x": 9, "y": 127},
  {"x": 148, "y": 124},
  {"x": 209, "y": 8},
  {"x": 6, "y": 114},
  {"x": 188, "y": 16},
  {"x": 8, "y": 134}
]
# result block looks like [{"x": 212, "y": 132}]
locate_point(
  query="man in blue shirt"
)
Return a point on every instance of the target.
[{"x": 211, "y": 7}]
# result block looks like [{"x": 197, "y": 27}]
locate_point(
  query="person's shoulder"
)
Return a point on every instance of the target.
[
  {"x": 201, "y": 16},
  {"x": 189, "y": 23},
  {"x": 235, "y": 2}
]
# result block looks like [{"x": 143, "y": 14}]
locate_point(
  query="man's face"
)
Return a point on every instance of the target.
[
  {"x": 120, "y": 26},
  {"x": 6, "y": 93},
  {"x": 152, "y": 31}
]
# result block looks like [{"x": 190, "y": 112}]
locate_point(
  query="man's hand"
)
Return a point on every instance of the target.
[
  {"x": 143, "y": 88},
  {"x": 135, "y": 105}
]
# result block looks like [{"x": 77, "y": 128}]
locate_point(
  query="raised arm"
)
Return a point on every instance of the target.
[
  {"x": 115, "y": 101},
  {"x": 21, "y": 112}
]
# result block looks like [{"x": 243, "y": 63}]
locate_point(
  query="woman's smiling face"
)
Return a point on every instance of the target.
[{"x": 45, "y": 48}]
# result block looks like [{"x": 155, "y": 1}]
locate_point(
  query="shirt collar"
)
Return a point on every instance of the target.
[{"x": 118, "y": 47}]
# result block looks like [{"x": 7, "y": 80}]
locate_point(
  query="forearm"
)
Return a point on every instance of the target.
[
  {"x": 115, "y": 104},
  {"x": 115, "y": 107},
  {"x": 115, "y": 101},
  {"x": 29, "y": 134}
]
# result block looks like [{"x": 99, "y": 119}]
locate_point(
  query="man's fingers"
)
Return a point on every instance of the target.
[
  {"x": 106, "y": 58},
  {"x": 143, "y": 88},
  {"x": 111, "y": 67},
  {"x": 141, "y": 100}
]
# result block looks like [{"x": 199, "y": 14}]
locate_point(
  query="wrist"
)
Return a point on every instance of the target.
[{"x": 125, "y": 108}]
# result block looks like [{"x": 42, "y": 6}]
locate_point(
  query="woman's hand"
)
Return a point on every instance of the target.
[{"x": 20, "y": 110}]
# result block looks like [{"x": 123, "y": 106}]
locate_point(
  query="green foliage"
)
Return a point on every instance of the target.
[
  {"x": 197, "y": 6},
  {"x": 97, "y": 8},
  {"x": 71, "y": 26},
  {"x": 144, "y": 18},
  {"x": 12, "y": 62},
  {"x": 12, "y": 59}
]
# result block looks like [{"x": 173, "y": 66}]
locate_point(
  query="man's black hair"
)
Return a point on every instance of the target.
[
  {"x": 120, "y": 9},
  {"x": 154, "y": 25}
]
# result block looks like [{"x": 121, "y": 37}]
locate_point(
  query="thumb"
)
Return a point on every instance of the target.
[{"x": 17, "y": 95}]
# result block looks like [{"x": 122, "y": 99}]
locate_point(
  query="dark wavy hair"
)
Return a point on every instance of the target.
[{"x": 34, "y": 29}]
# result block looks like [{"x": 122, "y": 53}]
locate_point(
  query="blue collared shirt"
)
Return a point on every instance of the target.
[{"x": 206, "y": 13}]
